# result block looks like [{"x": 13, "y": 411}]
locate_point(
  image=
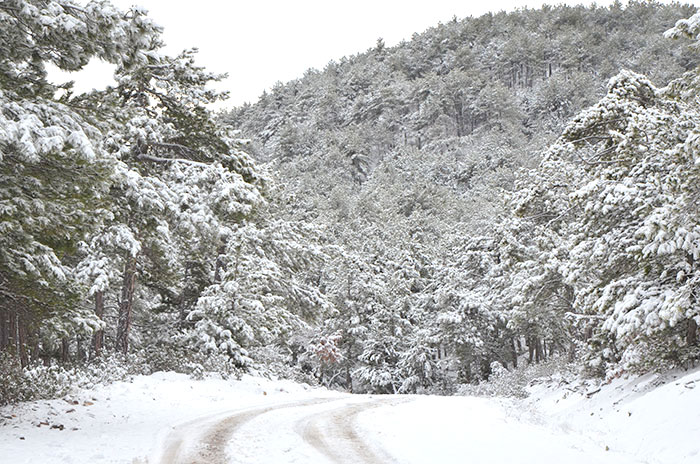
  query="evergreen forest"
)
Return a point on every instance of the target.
[{"x": 503, "y": 191}]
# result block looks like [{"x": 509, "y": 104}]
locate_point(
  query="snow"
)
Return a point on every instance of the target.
[
  {"x": 448, "y": 429},
  {"x": 641, "y": 420},
  {"x": 250, "y": 446},
  {"x": 652, "y": 419},
  {"x": 126, "y": 422}
]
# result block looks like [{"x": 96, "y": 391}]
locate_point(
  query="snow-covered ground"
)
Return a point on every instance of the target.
[
  {"x": 467, "y": 429},
  {"x": 127, "y": 422},
  {"x": 652, "y": 419},
  {"x": 170, "y": 418}
]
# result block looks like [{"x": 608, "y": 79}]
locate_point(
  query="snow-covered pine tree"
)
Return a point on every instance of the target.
[
  {"x": 54, "y": 170},
  {"x": 182, "y": 184},
  {"x": 265, "y": 292},
  {"x": 634, "y": 257}
]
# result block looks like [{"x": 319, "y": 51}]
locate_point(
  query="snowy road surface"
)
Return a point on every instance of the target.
[
  {"x": 170, "y": 418},
  {"x": 375, "y": 430},
  {"x": 324, "y": 429}
]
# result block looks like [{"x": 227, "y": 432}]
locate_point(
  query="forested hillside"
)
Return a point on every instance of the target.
[
  {"x": 495, "y": 192},
  {"x": 438, "y": 168}
]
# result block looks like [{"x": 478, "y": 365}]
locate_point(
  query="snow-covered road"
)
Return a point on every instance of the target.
[
  {"x": 364, "y": 429},
  {"x": 336, "y": 436},
  {"x": 169, "y": 418},
  {"x": 311, "y": 430}
]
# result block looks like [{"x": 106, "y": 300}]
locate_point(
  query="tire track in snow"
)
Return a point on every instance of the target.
[
  {"x": 210, "y": 448},
  {"x": 334, "y": 434}
]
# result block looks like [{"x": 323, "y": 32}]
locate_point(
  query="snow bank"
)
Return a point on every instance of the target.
[
  {"x": 654, "y": 418},
  {"x": 126, "y": 421},
  {"x": 454, "y": 430}
]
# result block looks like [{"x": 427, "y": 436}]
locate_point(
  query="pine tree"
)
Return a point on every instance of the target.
[
  {"x": 54, "y": 170},
  {"x": 634, "y": 258}
]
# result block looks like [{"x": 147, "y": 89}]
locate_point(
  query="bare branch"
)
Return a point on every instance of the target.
[
  {"x": 174, "y": 146},
  {"x": 597, "y": 138},
  {"x": 156, "y": 159}
]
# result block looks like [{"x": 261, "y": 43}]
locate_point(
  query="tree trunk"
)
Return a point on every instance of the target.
[
  {"x": 539, "y": 352},
  {"x": 34, "y": 351},
  {"x": 692, "y": 333},
  {"x": 99, "y": 337},
  {"x": 65, "y": 351},
  {"x": 22, "y": 342},
  {"x": 126, "y": 305},
  {"x": 220, "y": 264},
  {"x": 572, "y": 351},
  {"x": 4, "y": 329},
  {"x": 348, "y": 378},
  {"x": 12, "y": 333},
  {"x": 8, "y": 337},
  {"x": 514, "y": 352}
]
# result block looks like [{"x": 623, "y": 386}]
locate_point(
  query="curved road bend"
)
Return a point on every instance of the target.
[
  {"x": 330, "y": 432},
  {"x": 334, "y": 434}
]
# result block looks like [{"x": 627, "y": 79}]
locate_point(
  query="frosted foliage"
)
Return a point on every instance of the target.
[
  {"x": 417, "y": 366},
  {"x": 69, "y": 34},
  {"x": 464, "y": 318},
  {"x": 32, "y": 130},
  {"x": 387, "y": 259},
  {"x": 185, "y": 212},
  {"x": 41, "y": 142},
  {"x": 689, "y": 27},
  {"x": 105, "y": 257},
  {"x": 55, "y": 173},
  {"x": 635, "y": 259},
  {"x": 79, "y": 322},
  {"x": 207, "y": 198},
  {"x": 263, "y": 295},
  {"x": 137, "y": 183}
]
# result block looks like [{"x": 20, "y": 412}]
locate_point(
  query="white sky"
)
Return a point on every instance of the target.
[{"x": 261, "y": 42}]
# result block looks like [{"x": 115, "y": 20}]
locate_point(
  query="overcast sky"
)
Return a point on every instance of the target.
[{"x": 260, "y": 42}]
